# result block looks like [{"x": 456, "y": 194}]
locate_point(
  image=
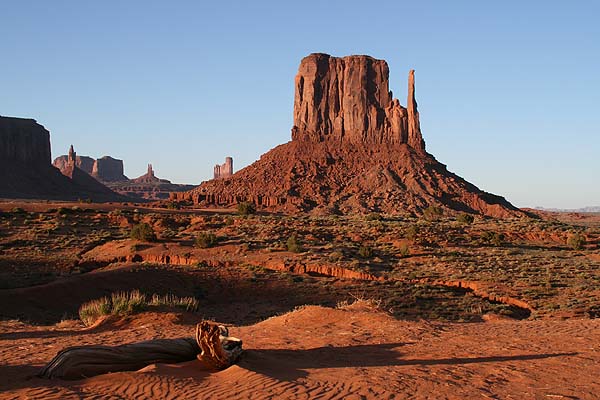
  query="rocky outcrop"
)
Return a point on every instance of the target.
[
  {"x": 26, "y": 172},
  {"x": 24, "y": 140},
  {"x": 82, "y": 162},
  {"x": 354, "y": 148},
  {"x": 224, "y": 170},
  {"x": 348, "y": 100},
  {"x": 108, "y": 169},
  {"x": 148, "y": 187},
  {"x": 105, "y": 169}
]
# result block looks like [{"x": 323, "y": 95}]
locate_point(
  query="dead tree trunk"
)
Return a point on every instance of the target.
[{"x": 212, "y": 346}]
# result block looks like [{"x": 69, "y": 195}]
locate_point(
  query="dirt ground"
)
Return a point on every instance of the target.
[
  {"x": 316, "y": 352},
  {"x": 439, "y": 308}
]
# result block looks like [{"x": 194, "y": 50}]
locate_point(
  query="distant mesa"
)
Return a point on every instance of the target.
[
  {"x": 224, "y": 170},
  {"x": 104, "y": 169},
  {"x": 109, "y": 171},
  {"x": 354, "y": 148},
  {"x": 26, "y": 170}
]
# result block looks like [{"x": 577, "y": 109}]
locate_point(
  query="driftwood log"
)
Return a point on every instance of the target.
[{"x": 212, "y": 346}]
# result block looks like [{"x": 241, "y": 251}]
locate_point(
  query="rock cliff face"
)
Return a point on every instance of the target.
[
  {"x": 224, "y": 170},
  {"x": 26, "y": 172},
  {"x": 108, "y": 169},
  {"x": 24, "y": 140},
  {"x": 84, "y": 163},
  {"x": 348, "y": 100},
  {"x": 354, "y": 148}
]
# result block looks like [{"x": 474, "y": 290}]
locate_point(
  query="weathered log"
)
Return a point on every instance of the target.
[{"x": 212, "y": 346}]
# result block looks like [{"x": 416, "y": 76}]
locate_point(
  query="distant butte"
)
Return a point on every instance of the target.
[
  {"x": 354, "y": 148},
  {"x": 109, "y": 171},
  {"x": 26, "y": 171}
]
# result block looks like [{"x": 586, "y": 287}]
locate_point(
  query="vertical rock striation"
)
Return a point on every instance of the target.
[
  {"x": 354, "y": 148},
  {"x": 348, "y": 100},
  {"x": 224, "y": 170}
]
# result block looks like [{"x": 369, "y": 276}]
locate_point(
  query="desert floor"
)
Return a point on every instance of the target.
[{"x": 354, "y": 307}]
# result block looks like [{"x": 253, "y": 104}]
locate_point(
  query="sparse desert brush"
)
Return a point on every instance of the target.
[
  {"x": 493, "y": 238},
  {"x": 365, "y": 251},
  {"x": 127, "y": 303},
  {"x": 373, "y": 217},
  {"x": 412, "y": 232},
  {"x": 465, "y": 219},
  {"x": 143, "y": 232},
  {"x": 229, "y": 221},
  {"x": 293, "y": 244},
  {"x": 576, "y": 241},
  {"x": 205, "y": 240},
  {"x": 336, "y": 256},
  {"x": 246, "y": 208},
  {"x": 403, "y": 251},
  {"x": 432, "y": 213},
  {"x": 170, "y": 300}
]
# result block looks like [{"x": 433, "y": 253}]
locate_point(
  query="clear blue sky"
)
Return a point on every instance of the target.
[{"x": 509, "y": 92}]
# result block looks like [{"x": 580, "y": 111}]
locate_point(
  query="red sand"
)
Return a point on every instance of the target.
[{"x": 326, "y": 353}]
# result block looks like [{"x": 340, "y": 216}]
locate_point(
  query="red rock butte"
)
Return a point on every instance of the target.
[{"x": 354, "y": 148}]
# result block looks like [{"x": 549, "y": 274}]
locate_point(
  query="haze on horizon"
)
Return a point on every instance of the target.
[{"x": 507, "y": 92}]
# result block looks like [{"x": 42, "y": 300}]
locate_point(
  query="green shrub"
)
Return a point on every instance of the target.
[
  {"x": 365, "y": 251},
  {"x": 412, "y": 232},
  {"x": 143, "y": 232},
  {"x": 205, "y": 240},
  {"x": 493, "y": 238},
  {"x": 465, "y": 219},
  {"x": 576, "y": 241},
  {"x": 403, "y": 251},
  {"x": 229, "y": 221},
  {"x": 293, "y": 244},
  {"x": 246, "y": 208},
  {"x": 373, "y": 217},
  {"x": 127, "y": 303},
  {"x": 432, "y": 213},
  {"x": 336, "y": 256}
]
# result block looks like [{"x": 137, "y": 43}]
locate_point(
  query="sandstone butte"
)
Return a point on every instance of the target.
[
  {"x": 354, "y": 148},
  {"x": 26, "y": 171}
]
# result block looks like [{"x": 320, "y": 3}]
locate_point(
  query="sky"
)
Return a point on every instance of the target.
[{"x": 508, "y": 92}]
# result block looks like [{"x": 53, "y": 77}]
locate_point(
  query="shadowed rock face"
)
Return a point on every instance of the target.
[
  {"x": 108, "y": 169},
  {"x": 24, "y": 140},
  {"x": 354, "y": 148},
  {"x": 26, "y": 172},
  {"x": 348, "y": 100}
]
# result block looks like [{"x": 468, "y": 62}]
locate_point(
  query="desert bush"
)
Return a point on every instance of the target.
[
  {"x": 205, "y": 240},
  {"x": 493, "y": 238},
  {"x": 432, "y": 213},
  {"x": 412, "y": 232},
  {"x": 576, "y": 241},
  {"x": 373, "y": 217},
  {"x": 336, "y": 256},
  {"x": 170, "y": 300},
  {"x": 465, "y": 219},
  {"x": 143, "y": 232},
  {"x": 229, "y": 221},
  {"x": 246, "y": 208},
  {"x": 127, "y": 303},
  {"x": 403, "y": 251},
  {"x": 17, "y": 210},
  {"x": 293, "y": 244},
  {"x": 365, "y": 251}
]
